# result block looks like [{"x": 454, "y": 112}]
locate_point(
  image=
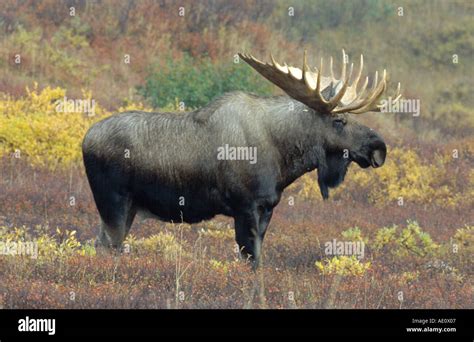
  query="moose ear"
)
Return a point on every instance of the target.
[{"x": 331, "y": 173}]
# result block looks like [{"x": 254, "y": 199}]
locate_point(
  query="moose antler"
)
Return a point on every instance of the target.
[{"x": 325, "y": 94}]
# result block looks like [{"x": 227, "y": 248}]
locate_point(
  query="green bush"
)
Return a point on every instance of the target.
[{"x": 197, "y": 82}]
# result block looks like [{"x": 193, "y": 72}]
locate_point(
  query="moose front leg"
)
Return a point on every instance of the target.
[{"x": 250, "y": 228}]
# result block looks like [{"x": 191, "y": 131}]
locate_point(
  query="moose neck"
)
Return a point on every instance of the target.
[{"x": 298, "y": 139}]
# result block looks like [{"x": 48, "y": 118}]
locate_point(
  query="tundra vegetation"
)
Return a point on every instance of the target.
[{"x": 414, "y": 214}]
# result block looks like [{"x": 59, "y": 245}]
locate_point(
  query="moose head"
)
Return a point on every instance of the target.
[{"x": 331, "y": 100}]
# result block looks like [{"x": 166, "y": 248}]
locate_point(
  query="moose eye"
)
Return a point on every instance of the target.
[{"x": 338, "y": 123}]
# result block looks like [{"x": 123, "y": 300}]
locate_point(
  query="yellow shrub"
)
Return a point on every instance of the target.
[
  {"x": 464, "y": 238},
  {"x": 162, "y": 243},
  {"x": 384, "y": 237},
  {"x": 62, "y": 244},
  {"x": 413, "y": 239},
  {"x": 354, "y": 234},
  {"x": 343, "y": 265},
  {"x": 307, "y": 187},
  {"x": 68, "y": 242},
  {"x": 406, "y": 176},
  {"x": 223, "y": 233},
  {"x": 410, "y": 240},
  {"x": 35, "y": 127},
  {"x": 49, "y": 246},
  {"x": 221, "y": 266}
]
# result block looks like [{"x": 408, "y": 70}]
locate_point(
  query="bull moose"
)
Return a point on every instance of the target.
[{"x": 166, "y": 164}]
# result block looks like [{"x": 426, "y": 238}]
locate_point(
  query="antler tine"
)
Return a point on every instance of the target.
[
  {"x": 273, "y": 60},
  {"x": 375, "y": 106},
  {"x": 335, "y": 100},
  {"x": 307, "y": 79},
  {"x": 364, "y": 87},
  {"x": 343, "y": 73},
  {"x": 398, "y": 94},
  {"x": 374, "y": 85},
  {"x": 251, "y": 56},
  {"x": 318, "y": 85},
  {"x": 394, "y": 99},
  {"x": 361, "y": 67}
]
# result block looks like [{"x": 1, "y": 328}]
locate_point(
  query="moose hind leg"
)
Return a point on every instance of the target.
[{"x": 110, "y": 236}]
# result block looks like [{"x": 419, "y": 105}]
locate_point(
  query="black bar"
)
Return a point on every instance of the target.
[{"x": 242, "y": 323}]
